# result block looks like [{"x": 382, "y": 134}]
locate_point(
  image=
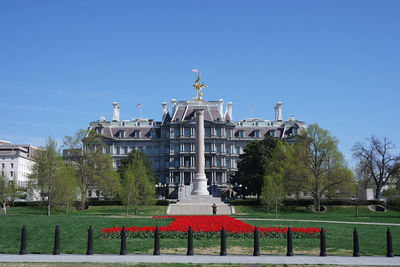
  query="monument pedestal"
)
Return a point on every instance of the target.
[{"x": 200, "y": 205}]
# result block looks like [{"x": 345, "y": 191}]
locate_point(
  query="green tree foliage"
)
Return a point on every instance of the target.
[
  {"x": 8, "y": 191},
  {"x": 273, "y": 186},
  {"x": 253, "y": 163},
  {"x": 44, "y": 178},
  {"x": 315, "y": 165},
  {"x": 137, "y": 186},
  {"x": 93, "y": 168},
  {"x": 68, "y": 185},
  {"x": 377, "y": 161}
]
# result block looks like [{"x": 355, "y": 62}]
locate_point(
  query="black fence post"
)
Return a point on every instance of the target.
[
  {"x": 289, "y": 243},
  {"x": 223, "y": 243},
  {"x": 23, "y": 241},
  {"x": 190, "y": 251},
  {"x": 256, "y": 251},
  {"x": 123, "y": 241},
  {"x": 356, "y": 247},
  {"x": 323, "y": 243},
  {"x": 389, "y": 244},
  {"x": 90, "y": 242},
  {"x": 156, "y": 242},
  {"x": 56, "y": 250}
]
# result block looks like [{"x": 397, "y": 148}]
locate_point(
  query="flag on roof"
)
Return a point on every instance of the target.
[
  {"x": 138, "y": 105},
  {"x": 195, "y": 70}
]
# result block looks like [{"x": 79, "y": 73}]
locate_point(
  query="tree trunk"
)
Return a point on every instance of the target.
[
  {"x": 48, "y": 209},
  {"x": 318, "y": 204},
  {"x": 276, "y": 208},
  {"x": 67, "y": 207},
  {"x": 83, "y": 199},
  {"x": 378, "y": 192},
  {"x": 127, "y": 209},
  {"x": 135, "y": 210}
]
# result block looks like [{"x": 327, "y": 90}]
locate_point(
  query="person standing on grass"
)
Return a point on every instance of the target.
[
  {"x": 3, "y": 209},
  {"x": 214, "y": 208}
]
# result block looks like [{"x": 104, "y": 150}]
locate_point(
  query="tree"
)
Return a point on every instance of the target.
[
  {"x": 67, "y": 184},
  {"x": 44, "y": 178},
  {"x": 137, "y": 187},
  {"x": 273, "y": 187},
  {"x": 7, "y": 192},
  {"x": 86, "y": 154},
  {"x": 253, "y": 165},
  {"x": 377, "y": 160},
  {"x": 315, "y": 164}
]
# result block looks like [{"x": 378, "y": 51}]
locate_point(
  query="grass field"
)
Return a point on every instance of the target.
[{"x": 40, "y": 230}]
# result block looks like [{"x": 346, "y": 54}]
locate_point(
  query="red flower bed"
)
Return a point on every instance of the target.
[{"x": 208, "y": 226}]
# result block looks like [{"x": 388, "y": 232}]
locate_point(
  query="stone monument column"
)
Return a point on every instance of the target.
[{"x": 200, "y": 179}]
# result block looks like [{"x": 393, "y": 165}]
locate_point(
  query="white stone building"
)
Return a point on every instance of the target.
[{"x": 16, "y": 162}]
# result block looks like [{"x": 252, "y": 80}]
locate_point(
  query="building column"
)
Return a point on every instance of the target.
[{"x": 200, "y": 180}]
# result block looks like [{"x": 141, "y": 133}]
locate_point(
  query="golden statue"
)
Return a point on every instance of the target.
[{"x": 199, "y": 87}]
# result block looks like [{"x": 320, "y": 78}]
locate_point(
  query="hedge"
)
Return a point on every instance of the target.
[
  {"x": 394, "y": 204},
  {"x": 90, "y": 202},
  {"x": 330, "y": 202}
]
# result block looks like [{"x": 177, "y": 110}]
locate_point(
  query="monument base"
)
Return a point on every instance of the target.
[{"x": 200, "y": 205}]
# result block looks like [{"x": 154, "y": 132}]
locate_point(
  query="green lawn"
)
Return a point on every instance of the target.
[
  {"x": 40, "y": 229},
  {"x": 333, "y": 213}
]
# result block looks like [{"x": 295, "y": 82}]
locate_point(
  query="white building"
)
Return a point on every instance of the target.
[
  {"x": 170, "y": 143},
  {"x": 16, "y": 162}
]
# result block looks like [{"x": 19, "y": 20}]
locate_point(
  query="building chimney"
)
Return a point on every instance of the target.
[
  {"x": 164, "y": 107},
  {"x": 278, "y": 111},
  {"x": 115, "y": 111},
  {"x": 229, "y": 107},
  {"x": 173, "y": 103},
  {"x": 221, "y": 107}
]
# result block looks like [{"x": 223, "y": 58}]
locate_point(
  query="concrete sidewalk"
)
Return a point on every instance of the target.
[{"x": 234, "y": 259}]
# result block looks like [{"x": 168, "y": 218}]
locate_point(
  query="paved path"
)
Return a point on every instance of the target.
[
  {"x": 234, "y": 259},
  {"x": 320, "y": 221}
]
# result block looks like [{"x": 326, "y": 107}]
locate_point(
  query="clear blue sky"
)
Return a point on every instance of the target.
[{"x": 335, "y": 63}]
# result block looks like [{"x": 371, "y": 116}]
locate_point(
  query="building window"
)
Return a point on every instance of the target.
[
  {"x": 208, "y": 162},
  {"x": 207, "y": 131},
  {"x": 207, "y": 147},
  {"x": 187, "y": 147},
  {"x": 137, "y": 134},
  {"x": 99, "y": 130},
  {"x": 187, "y": 161},
  {"x": 187, "y": 132},
  {"x": 126, "y": 150},
  {"x": 218, "y": 148},
  {"x": 228, "y": 133},
  {"x": 218, "y": 162},
  {"x": 294, "y": 131},
  {"x": 121, "y": 134},
  {"x": 228, "y": 163},
  {"x": 237, "y": 150},
  {"x": 218, "y": 132},
  {"x": 228, "y": 149},
  {"x": 12, "y": 165},
  {"x": 2, "y": 165},
  {"x": 167, "y": 149},
  {"x": 241, "y": 133},
  {"x": 156, "y": 164},
  {"x": 176, "y": 162},
  {"x": 11, "y": 173},
  {"x": 219, "y": 177},
  {"x": 256, "y": 134},
  {"x": 176, "y": 148},
  {"x": 166, "y": 164},
  {"x": 118, "y": 150},
  {"x": 176, "y": 132}
]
